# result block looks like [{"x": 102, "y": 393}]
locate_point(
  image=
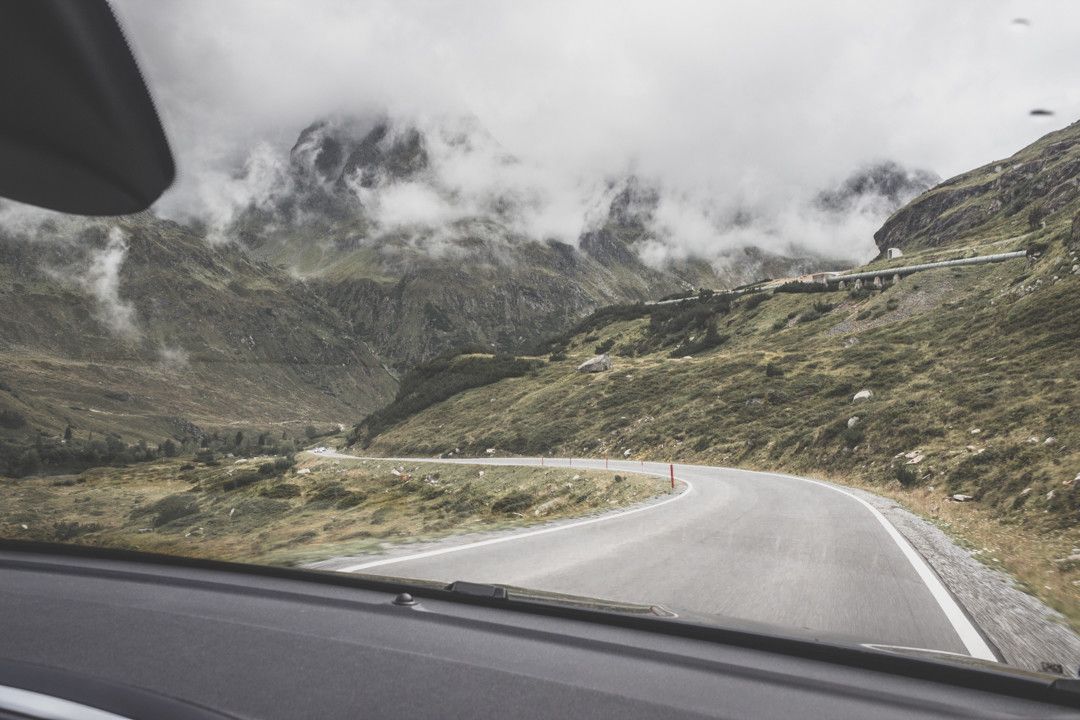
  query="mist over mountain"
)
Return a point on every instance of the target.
[
  {"x": 441, "y": 185},
  {"x": 884, "y": 185},
  {"x": 429, "y": 235},
  {"x": 426, "y": 235}
]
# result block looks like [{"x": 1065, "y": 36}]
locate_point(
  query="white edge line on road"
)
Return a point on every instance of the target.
[
  {"x": 969, "y": 635},
  {"x": 516, "y": 536}
]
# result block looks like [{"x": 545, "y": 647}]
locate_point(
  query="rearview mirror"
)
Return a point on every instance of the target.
[{"x": 78, "y": 130}]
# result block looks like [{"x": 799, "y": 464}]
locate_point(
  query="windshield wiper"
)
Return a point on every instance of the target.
[{"x": 484, "y": 590}]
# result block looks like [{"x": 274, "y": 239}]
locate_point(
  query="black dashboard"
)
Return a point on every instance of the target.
[{"x": 154, "y": 637}]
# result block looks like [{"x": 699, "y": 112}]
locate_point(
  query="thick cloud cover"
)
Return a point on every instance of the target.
[{"x": 731, "y": 105}]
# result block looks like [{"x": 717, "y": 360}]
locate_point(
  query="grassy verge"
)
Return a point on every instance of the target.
[{"x": 267, "y": 510}]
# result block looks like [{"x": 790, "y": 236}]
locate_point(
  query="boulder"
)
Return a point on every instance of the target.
[
  {"x": 853, "y": 421},
  {"x": 862, "y": 395},
  {"x": 600, "y": 363},
  {"x": 960, "y": 497}
]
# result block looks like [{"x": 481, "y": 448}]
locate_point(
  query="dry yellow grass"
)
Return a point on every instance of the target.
[{"x": 316, "y": 509}]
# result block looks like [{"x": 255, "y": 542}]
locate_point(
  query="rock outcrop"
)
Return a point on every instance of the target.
[{"x": 600, "y": 363}]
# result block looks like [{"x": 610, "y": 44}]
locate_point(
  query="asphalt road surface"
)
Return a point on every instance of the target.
[{"x": 766, "y": 547}]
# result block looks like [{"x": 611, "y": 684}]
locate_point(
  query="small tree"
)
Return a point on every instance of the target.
[
  {"x": 30, "y": 463},
  {"x": 12, "y": 419},
  {"x": 1036, "y": 216},
  {"x": 168, "y": 448},
  {"x": 68, "y": 432}
]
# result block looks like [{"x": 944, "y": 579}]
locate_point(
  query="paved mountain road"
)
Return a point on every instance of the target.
[{"x": 760, "y": 546}]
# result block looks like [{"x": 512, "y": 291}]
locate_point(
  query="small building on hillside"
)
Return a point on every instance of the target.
[
  {"x": 821, "y": 278},
  {"x": 893, "y": 253}
]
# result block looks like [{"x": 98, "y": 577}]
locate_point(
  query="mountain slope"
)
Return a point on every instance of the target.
[
  {"x": 140, "y": 328},
  {"x": 1039, "y": 185}
]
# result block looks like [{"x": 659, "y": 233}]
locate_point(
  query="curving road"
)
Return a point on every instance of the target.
[{"x": 759, "y": 546}]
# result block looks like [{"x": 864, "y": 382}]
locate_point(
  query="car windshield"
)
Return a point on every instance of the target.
[{"x": 751, "y": 314}]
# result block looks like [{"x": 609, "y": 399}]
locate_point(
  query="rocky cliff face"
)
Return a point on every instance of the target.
[{"x": 1038, "y": 186}]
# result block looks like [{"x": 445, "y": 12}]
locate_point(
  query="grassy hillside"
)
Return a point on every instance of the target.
[
  {"x": 180, "y": 339},
  {"x": 271, "y": 510},
  {"x": 974, "y": 374},
  {"x": 1037, "y": 186}
]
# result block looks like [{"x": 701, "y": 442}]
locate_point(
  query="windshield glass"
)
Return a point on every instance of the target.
[{"x": 751, "y": 313}]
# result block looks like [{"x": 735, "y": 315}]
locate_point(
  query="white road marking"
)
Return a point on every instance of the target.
[{"x": 965, "y": 629}]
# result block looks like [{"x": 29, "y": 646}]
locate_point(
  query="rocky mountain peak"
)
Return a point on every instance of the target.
[
  {"x": 884, "y": 184},
  {"x": 340, "y": 152}
]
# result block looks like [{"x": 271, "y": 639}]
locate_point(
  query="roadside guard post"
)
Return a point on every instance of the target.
[{"x": 671, "y": 467}]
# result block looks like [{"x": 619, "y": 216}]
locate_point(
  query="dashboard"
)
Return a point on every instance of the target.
[{"x": 147, "y": 636}]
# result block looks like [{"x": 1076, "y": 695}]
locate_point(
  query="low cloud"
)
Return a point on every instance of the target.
[
  {"x": 173, "y": 357},
  {"x": 222, "y": 193},
  {"x": 753, "y": 105},
  {"x": 102, "y": 282}
]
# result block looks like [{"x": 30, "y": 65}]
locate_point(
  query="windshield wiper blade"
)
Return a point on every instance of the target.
[{"x": 484, "y": 590}]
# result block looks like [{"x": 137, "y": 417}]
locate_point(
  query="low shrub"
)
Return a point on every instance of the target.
[
  {"x": 755, "y": 299},
  {"x": 773, "y": 370},
  {"x": 515, "y": 502},
  {"x": 905, "y": 474},
  {"x": 281, "y": 491},
  {"x": 170, "y": 509}
]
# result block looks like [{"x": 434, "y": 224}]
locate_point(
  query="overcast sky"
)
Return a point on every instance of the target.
[{"x": 754, "y": 99}]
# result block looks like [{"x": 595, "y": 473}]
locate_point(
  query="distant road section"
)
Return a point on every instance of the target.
[{"x": 759, "y": 546}]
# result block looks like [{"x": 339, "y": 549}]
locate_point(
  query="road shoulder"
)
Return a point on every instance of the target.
[{"x": 1026, "y": 632}]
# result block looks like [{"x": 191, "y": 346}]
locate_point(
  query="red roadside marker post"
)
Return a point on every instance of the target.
[{"x": 671, "y": 467}]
